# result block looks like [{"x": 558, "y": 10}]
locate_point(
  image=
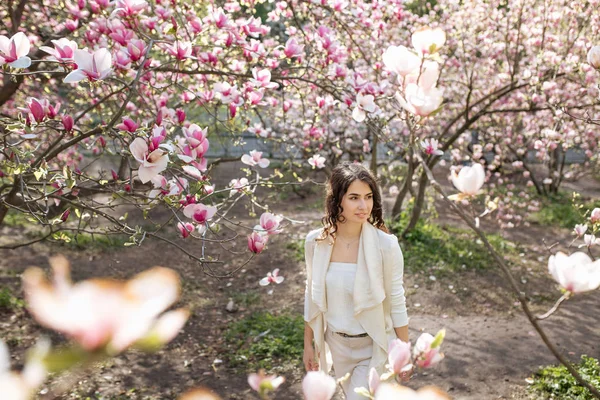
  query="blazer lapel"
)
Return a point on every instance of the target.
[
  {"x": 368, "y": 283},
  {"x": 321, "y": 258}
]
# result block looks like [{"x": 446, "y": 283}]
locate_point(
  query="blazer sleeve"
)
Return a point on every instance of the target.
[
  {"x": 397, "y": 298},
  {"x": 309, "y": 249}
]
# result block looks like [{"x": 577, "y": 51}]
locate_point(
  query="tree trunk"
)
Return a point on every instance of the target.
[
  {"x": 374, "y": 154},
  {"x": 418, "y": 206},
  {"x": 397, "y": 209},
  {"x": 10, "y": 198}
]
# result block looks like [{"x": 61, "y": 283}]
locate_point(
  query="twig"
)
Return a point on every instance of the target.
[
  {"x": 521, "y": 297},
  {"x": 555, "y": 307}
]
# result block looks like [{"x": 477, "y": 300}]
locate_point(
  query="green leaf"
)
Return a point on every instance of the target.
[
  {"x": 61, "y": 359},
  {"x": 438, "y": 339},
  {"x": 40, "y": 173}
]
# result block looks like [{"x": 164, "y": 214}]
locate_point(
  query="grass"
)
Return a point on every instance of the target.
[
  {"x": 75, "y": 240},
  {"x": 8, "y": 301},
  {"x": 297, "y": 249},
  {"x": 555, "y": 382},
  {"x": 81, "y": 241},
  {"x": 264, "y": 340},
  {"x": 563, "y": 210},
  {"x": 448, "y": 249},
  {"x": 246, "y": 299}
]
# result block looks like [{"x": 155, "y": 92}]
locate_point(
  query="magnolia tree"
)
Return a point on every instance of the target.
[
  {"x": 575, "y": 273},
  {"x": 511, "y": 73},
  {"x": 108, "y": 106}
]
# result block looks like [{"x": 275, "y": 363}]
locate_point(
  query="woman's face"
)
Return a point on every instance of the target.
[{"x": 357, "y": 203}]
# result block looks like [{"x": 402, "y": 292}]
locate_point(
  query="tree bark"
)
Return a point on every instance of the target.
[
  {"x": 397, "y": 209},
  {"x": 374, "y": 153},
  {"x": 418, "y": 206},
  {"x": 9, "y": 199}
]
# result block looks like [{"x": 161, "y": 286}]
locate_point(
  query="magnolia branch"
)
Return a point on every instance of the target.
[
  {"x": 513, "y": 284},
  {"x": 555, "y": 307}
]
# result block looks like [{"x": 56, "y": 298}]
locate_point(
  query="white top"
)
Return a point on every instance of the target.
[{"x": 339, "y": 284}]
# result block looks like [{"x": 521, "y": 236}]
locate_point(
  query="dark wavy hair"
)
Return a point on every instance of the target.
[{"x": 341, "y": 178}]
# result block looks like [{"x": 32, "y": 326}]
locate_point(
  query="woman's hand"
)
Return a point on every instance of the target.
[{"x": 310, "y": 361}]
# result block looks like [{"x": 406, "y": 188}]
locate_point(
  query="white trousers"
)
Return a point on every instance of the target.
[{"x": 351, "y": 355}]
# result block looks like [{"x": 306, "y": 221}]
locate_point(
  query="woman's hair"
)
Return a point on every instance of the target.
[{"x": 341, "y": 178}]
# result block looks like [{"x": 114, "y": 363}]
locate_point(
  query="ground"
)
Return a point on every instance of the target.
[{"x": 490, "y": 347}]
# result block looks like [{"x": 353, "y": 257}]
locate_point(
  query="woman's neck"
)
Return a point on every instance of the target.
[{"x": 349, "y": 230}]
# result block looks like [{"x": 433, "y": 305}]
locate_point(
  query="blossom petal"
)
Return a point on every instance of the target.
[{"x": 22, "y": 62}]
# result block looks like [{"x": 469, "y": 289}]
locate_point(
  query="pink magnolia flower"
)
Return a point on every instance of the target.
[
  {"x": 363, "y": 103},
  {"x": 104, "y": 313},
  {"x": 257, "y": 242},
  {"x": 262, "y": 78},
  {"x": 196, "y": 138},
  {"x": 576, "y": 273},
  {"x": 317, "y": 385},
  {"x": 580, "y": 229},
  {"x": 94, "y": 67},
  {"x": 394, "y": 191},
  {"x": 269, "y": 223},
  {"x": 389, "y": 391},
  {"x": 122, "y": 60},
  {"x": 199, "y": 212},
  {"x": 317, "y": 161},
  {"x": 374, "y": 381},
  {"x": 263, "y": 384},
  {"x": 50, "y": 110},
  {"x": 399, "y": 356},
  {"x": 36, "y": 109},
  {"x": 21, "y": 386},
  {"x": 128, "y": 125},
  {"x": 14, "y": 51},
  {"x": 427, "y": 349},
  {"x": 180, "y": 50},
  {"x": 595, "y": 215},
  {"x": 67, "y": 122},
  {"x": 400, "y": 60},
  {"x": 238, "y": 185},
  {"x": 185, "y": 229},
  {"x": 428, "y": 41},
  {"x": 255, "y": 158},
  {"x": 430, "y": 146},
  {"x": 136, "y": 49},
  {"x": 192, "y": 171},
  {"x": 425, "y": 77},
  {"x": 593, "y": 57},
  {"x": 293, "y": 49},
  {"x": 122, "y": 35},
  {"x": 272, "y": 277},
  {"x": 420, "y": 101},
  {"x": 65, "y": 215},
  {"x": 468, "y": 181},
  {"x": 63, "y": 51},
  {"x": 219, "y": 18},
  {"x": 589, "y": 241},
  {"x": 129, "y": 7},
  {"x": 152, "y": 162},
  {"x": 199, "y": 394}
]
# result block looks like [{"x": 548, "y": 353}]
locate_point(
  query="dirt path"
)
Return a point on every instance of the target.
[{"x": 490, "y": 347}]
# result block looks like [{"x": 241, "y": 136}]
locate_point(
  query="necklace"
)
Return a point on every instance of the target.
[{"x": 348, "y": 244}]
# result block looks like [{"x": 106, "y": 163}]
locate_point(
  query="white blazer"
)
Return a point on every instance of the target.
[{"x": 379, "y": 259}]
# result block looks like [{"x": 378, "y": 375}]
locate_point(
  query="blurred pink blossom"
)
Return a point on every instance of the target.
[
  {"x": 14, "y": 51},
  {"x": 317, "y": 385},
  {"x": 576, "y": 272}
]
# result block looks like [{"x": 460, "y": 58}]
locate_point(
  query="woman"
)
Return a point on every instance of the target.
[{"x": 354, "y": 302}]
